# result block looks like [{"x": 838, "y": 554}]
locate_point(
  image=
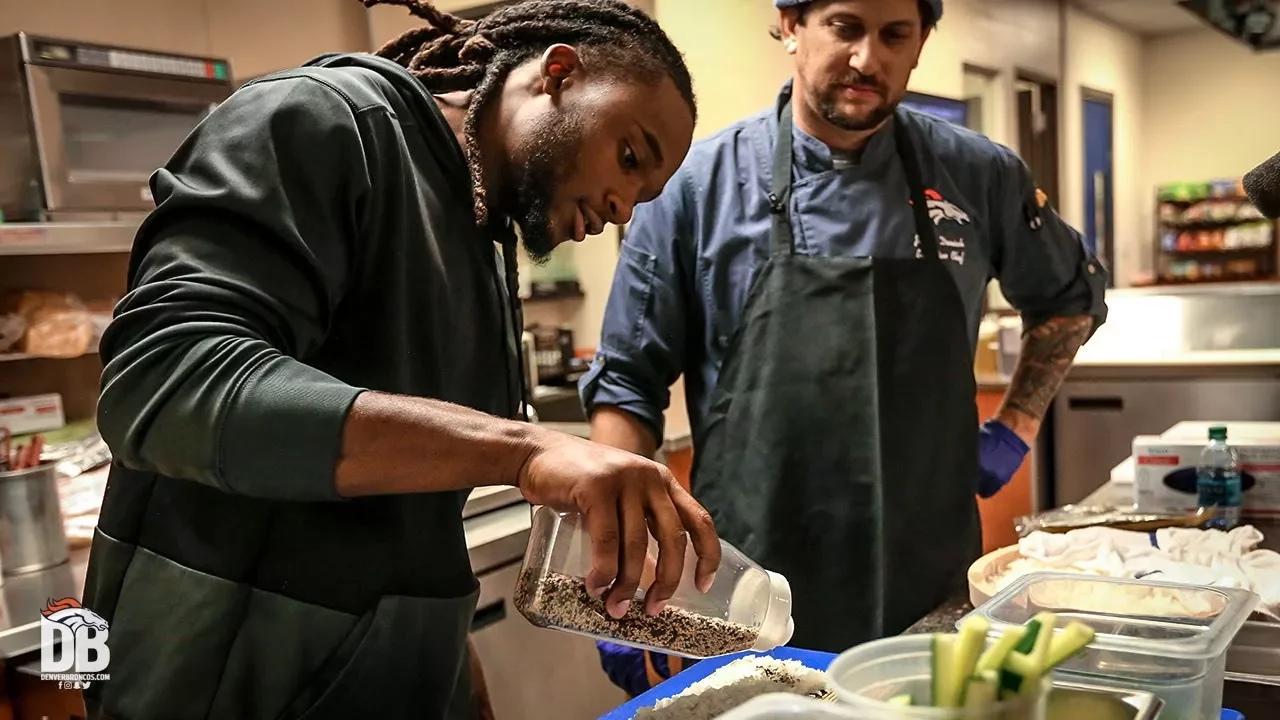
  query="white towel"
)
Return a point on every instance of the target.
[{"x": 1183, "y": 555}]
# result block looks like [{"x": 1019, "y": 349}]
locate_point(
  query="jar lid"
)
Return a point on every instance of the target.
[{"x": 777, "y": 627}]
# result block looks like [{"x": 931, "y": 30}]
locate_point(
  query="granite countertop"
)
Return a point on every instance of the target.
[{"x": 943, "y": 619}]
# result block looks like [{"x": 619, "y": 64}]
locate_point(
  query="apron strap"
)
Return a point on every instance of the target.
[
  {"x": 782, "y": 240},
  {"x": 925, "y": 230}
]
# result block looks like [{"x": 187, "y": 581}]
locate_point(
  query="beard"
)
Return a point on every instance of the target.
[
  {"x": 549, "y": 157},
  {"x": 829, "y": 106}
]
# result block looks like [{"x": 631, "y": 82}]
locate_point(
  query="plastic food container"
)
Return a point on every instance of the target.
[
  {"x": 1066, "y": 702},
  {"x": 865, "y": 677},
  {"x": 1168, "y": 639},
  {"x": 747, "y": 608}
]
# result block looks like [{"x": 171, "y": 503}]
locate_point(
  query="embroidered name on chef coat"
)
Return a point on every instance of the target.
[{"x": 945, "y": 215}]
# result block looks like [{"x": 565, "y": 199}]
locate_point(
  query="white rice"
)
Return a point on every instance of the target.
[{"x": 735, "y": 684}]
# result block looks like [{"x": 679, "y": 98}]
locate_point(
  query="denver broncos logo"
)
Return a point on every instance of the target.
[
  {"x": 941, "y": 209},
  {"x": 69, "y": 612}
]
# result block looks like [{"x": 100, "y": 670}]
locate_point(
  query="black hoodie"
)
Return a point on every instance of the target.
[{"x": 313, "y": 237}]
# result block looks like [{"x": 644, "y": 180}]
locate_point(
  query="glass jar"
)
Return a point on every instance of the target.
[{"x": 746, "y": 608}]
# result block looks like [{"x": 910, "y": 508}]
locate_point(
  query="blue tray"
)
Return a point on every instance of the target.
[{"x": 682, "y": 681}]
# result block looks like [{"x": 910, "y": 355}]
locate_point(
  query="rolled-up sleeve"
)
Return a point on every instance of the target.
[
  {"x": 1041, "y": 262},
  {"x": 233, "y": 278},
  {"x": 642, "y": 341}
]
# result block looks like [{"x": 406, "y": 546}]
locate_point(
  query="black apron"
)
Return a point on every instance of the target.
[{"x": 841, "y": 447}]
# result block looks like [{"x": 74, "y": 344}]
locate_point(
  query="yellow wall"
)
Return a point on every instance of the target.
[
  {"x": 257, "y": 36},
  {"x": 1103, "y": 57},
  {"x": 1190, "y": 106},
  {"x": 1211, "y": 108}
]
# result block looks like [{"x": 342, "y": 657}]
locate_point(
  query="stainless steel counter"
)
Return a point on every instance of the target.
[{"x": 25, "y": 596}]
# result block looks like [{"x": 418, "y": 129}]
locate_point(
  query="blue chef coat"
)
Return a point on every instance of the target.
[{"x": 688, "y": 257}]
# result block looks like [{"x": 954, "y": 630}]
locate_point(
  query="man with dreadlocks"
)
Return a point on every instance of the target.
[
  {"x": 817, "y": 272},
  {"x": 317, "y": 360}
]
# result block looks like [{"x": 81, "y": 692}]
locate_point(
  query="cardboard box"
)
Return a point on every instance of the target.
[
  {"x": 1164, "y": 478},
  {"x": 32, "y": 413}
]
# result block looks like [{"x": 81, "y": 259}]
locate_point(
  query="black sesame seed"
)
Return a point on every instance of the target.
[{"x": 560, "y": 601}]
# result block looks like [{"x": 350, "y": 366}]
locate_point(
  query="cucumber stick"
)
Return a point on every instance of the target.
[
  {"x": 973, "y": 636},
  {"x": 1018, "y": 674},
  {"x": 983, "y": 690},
  {"x": 1073, "y": 638},
  {"x": 993, "y": 659},
  {"x": 944, "y": 657},
  {"x": 966, "y": 676},
  {"x": 900, "y": 700}
]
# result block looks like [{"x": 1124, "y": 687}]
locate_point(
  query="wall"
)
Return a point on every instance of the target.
[
  {"x": 257, "y": 36},
  {"x": 1211, "y": 107},
  {"x": 1102, "y": 57}
]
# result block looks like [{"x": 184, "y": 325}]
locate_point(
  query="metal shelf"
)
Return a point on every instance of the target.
[{"x": 66, "y": 238}]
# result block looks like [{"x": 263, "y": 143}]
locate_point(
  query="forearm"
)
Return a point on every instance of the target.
[
  {"x": 618, "y": 428},
  {"x": 394, "y": 444},
  {"x": 1047, "y": 352}
]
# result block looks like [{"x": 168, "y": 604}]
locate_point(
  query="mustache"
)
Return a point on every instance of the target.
[{"x": 857, "y": 79}]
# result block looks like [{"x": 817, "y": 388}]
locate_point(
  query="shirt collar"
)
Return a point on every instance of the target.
[{"x": 813, "y": 156}]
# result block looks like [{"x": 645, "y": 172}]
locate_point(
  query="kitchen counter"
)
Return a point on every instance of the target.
[
  {"x": 944, "y": 618},
  {"x": 1114, "y": 494}
]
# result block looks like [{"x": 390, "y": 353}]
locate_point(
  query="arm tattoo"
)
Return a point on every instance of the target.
[{"x": 1047, "y": 352}]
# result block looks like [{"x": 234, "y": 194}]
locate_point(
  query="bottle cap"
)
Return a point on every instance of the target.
[
  {"x": 777, "y": 627},
  {"x": 1218, "y": 432}
]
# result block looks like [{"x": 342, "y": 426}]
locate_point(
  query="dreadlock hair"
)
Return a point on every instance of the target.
[{"x": 451, "y": 53}]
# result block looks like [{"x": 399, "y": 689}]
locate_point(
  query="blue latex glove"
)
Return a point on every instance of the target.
[
  {"x": 1000, "y": 453},
  {"x": 624, "y": 666}
]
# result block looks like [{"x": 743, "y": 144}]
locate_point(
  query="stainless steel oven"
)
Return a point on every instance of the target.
[{"x": 83, "y": 126}]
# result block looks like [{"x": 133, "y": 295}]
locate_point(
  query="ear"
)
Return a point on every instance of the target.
[
  {"x": 560, "y": 63},
  {"x": 788, "y": 22}
]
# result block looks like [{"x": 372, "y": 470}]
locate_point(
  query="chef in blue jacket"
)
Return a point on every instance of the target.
[{"x": 817, "y": 273}]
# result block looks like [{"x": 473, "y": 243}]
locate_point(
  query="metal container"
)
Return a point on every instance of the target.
[
  {"x": 32, "y": 535},
  {"x": 1071, "y": 701}
]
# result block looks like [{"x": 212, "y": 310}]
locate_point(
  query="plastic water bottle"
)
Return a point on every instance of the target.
[{"x": 1218, "y": 481}]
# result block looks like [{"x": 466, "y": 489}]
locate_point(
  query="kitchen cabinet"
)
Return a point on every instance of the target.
[
  {"x": 532, "y": 673},
  {"x": 1100, "y": 409}
]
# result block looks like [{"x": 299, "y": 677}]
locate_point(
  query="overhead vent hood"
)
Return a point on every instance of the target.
[{"x": 1255, "y": 23}]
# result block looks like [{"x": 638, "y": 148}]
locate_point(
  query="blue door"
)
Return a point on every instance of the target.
[{"x": 1098, "y": 195}]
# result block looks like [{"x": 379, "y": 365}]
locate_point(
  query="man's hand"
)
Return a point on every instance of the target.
[
  {"x": 1000, "y": 454},
  {"x": 393, "y": 444},
  {"x": 623, "y": 498}
]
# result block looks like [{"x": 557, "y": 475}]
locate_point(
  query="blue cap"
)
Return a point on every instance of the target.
[{"x": 935, "y": 4}]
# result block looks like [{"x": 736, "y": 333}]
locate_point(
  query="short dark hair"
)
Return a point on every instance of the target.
[
  {"x": 928, "y": 18},
  {"x": 451, "y": 53}
]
